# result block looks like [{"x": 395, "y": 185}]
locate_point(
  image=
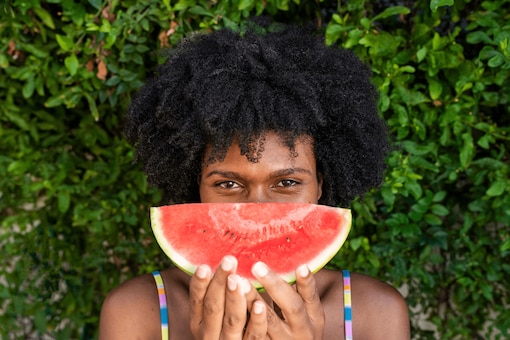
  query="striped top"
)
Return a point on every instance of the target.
[
  {"x": 162, "y": 305},
  {"x": 347, "y": 305}
]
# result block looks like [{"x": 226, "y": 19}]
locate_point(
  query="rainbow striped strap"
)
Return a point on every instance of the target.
[
  {"x": 347, "y": 305},
  {"x": 162, "y": 304}
]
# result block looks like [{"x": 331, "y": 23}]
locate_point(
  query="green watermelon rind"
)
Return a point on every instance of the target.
[
  {"x": 177, "y": 259},
  {"x": 314, "y": 264}
]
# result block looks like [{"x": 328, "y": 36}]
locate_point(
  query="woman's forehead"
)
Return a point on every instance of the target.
[
  {"x": 274, "y": 155},
  {"x": 254, "y": 146}
]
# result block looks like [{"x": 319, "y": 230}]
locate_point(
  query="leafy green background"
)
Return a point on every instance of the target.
[{"x": 73, "y": 207}]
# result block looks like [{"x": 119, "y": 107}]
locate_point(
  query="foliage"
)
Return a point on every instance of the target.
[{"x": 73, "y": 207}]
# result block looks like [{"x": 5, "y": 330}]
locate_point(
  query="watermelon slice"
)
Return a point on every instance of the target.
[{"x": 282, "y": 235}]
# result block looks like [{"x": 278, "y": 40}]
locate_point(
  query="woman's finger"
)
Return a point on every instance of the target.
[
  {"x": 297, "y": 323},
  {"x": 234, "y": 319},
  {"x": 207, "y": 310},
  {"x": 256, "y": 328},
  {"x": 307, "y": 288},
  {"x": 214, "y": 300},
  {"x": 272, "y": 320},
  {"x": 197, "y": 289}
]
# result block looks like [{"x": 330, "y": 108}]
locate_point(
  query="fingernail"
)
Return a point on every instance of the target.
[
  {"x": 258, "y": 307},
  {"x": 246, "y": 285},
  {"x": 303, "y": 271},
  {"x": 228, "y": 263},
  {"x": 202, "y": 271},
  {"x": 259, "y": 269},
  {"x": 232, "y": 282}
]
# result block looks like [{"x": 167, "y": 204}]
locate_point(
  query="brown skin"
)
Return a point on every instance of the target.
[{"x": 214, "y": 306}]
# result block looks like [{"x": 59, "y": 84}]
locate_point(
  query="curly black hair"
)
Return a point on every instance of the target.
[{"x": 224, "y": 85}]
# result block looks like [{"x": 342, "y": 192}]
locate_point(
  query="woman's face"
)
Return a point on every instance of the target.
[{"x": 278, "y": 176}]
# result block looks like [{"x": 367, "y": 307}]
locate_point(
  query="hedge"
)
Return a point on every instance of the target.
[{"x": 73, "y": 206}]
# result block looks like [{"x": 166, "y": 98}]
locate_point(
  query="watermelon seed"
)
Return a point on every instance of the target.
[{"x": 288, "y": 239}]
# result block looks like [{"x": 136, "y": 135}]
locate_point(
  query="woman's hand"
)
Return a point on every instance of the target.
[
  {"x": 219, "y": 305},
  {"x": 303, "y": 315}
]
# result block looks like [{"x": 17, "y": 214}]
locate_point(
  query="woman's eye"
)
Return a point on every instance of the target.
[
  {"x": 227, "y": 185},
  {"x": 287, "y": 183}
]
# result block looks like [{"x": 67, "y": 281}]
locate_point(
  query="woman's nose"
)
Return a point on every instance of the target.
[{"x": 258, "y": 194}]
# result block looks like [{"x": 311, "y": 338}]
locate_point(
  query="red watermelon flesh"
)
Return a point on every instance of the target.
[{"x": 282, "y": 235}]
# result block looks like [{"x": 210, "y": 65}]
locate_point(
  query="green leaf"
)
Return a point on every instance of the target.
[
  {"x": 388, "y": 195},
  {"x": 92, "y": 106},
  {"x": 245, "y": 4},
  {"x": 485, "y": 141},
  {"x": 414, "y": 188},
  {"x": 439, "y": 196},
  {"x": 410, "y": 229},
  {"x": 77, "y": 12},
  {"x": 4, "y": 62},
  {"x": 96, "y": 4},
  {"x": 391, "y": 11},
  {"x": 40, "y": 320},
  {"x": 478, "y": 37},
  {"x": 418, "y": 149},
  {"x": 488, "y": 52},
  {"x": 65, "y": 42},
  {"x": 72, "y": 64},
  {"x": 183, "y": 4},
  {"x": 199, "y": 10},
  {"x": 54, "y": 101},
  {"x": 435, "y": 4},
  {"x": 467, "y": 150},
  {"x": 396, "y": 220},
  {"x": 421, "y": 163},
  {"x": 421, "y": 54},
  {"x": 497, "y": 60},
  {"x": 282, "y": 5},
  {"x": 435, "y": 89},
  {"x": 365, "y": 23},
  {"x": 36, "y": 50},
  {"x": 381, "y": 44},
  {"x": 333, "y": 32},
  {"x": 28, "y": 88},
  {"x": 505, "y": 246},
  {"x": 17, "y": 167},
  {"x": 44, "y": 16},
  {"x": 356, "y": 243},
  {"x": 64, "y": 200},
  {"x": 411, "y": 97},
  {"x": 433, "y": 219},
  {"x": 374, "y": 260},
  {"x": 17, "y": 119},
  {"x": 487, "y": 292},
  {"x": 439, "y": 210},
  {"x": 497, "y": 188}
]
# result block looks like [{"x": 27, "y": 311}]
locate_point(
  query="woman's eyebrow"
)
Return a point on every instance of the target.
[
  {"x": 226, "y": 174},
  {"x": 276, "y": 173},
  {"x": 290, "y": 171}
]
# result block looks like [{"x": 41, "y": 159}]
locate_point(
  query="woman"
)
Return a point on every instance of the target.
[{"x": 251, "y": 117}]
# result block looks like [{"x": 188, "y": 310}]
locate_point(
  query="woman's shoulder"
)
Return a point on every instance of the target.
[
  {"x": 374, "y": 303},
  {"x": 367, "y": 287},
  {"x": 132, "y": 309},
  {"x": 380, "y": 303},
  {"x": 128, "y": 310}
]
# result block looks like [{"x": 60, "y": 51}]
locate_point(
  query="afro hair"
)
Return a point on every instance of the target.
[{"x": 227, "y": 85}]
